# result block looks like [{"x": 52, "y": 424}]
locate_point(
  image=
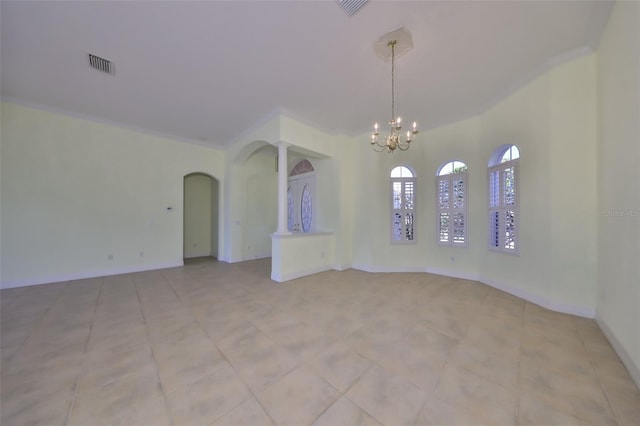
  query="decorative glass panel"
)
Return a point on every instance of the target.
[
  {"x": 306, "y": 208},
  {"x": 302, "y": 167},
  {"x": 509, "y": 186},
  {"x": 396, "y": 230},
  {"x": 444, "y": 227},
  {"x": 397, "y": 195},
  {"x": 510, "y": 230},
  {"x": 510, "y": 154},
  {"x": 401, "y": 172},
  {"x": 290, "y": 218},
  {"x": 458, "y": 228},
  {"x": 458, "y": 193},
  {"x": 408, "y": 224},
  {"x": 443, "y": 193},
  {"x": 408, "y": 195}
]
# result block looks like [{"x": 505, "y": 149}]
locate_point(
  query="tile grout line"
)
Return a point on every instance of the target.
[
  {"x": 167, "y": 407},
  {"x": 84, "y": 358}
]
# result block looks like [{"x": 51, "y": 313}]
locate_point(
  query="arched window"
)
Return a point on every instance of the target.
[
  {"x": 503, "y": 199},
  {"x": 451, "y": 202},
  {"x": 403, "y": 205},
  {"x": 301, "y": 198}
]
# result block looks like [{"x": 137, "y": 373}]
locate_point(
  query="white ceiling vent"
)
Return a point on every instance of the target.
[
  {"x": 351, "y": 6},
  {"x": 101, "y": 64}
]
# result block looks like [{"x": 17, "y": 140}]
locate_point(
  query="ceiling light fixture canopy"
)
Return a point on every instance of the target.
[{"x": 395, "y": 139}]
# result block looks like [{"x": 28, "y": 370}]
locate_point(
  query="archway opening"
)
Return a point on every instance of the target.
[{"x": 201, "y": 207}]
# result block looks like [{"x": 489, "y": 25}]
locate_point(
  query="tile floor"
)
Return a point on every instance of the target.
[{"x": 220, "y": 344}]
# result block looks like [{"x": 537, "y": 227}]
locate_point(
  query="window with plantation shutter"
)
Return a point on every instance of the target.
[
  {"x": 503, "y": 200},
  {"x": 451, "y": 202},
  {"x": 403, "y": 205}
]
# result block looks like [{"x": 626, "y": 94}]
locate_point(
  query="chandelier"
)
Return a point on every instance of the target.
[{"x": 395, "y": 137}]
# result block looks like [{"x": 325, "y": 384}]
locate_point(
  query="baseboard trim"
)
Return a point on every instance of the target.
[
  {"x": 89, "y": 274},
  {"x": 627, "y": 359},
  {"x": 299, "y": 274},
  {"x": 545, "y": 302},
  {"x": 565, "y": 308}
]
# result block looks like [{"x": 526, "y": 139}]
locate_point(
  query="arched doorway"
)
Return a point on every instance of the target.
[{"x": 201, "y": 206}]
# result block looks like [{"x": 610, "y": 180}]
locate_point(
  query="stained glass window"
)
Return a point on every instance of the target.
[
  {"x": 290, "y": 217},
  {"x": 306, "y": 206}
]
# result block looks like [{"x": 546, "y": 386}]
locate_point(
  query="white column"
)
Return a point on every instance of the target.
[{"x": 282, "y": 189}]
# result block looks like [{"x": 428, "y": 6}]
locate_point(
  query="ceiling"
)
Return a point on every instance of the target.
[{"x": 209, "y": 71}]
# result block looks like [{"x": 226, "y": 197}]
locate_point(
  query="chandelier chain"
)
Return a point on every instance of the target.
[{"x": 393, "y": 85}]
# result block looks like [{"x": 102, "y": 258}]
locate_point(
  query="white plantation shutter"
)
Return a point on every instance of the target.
[
  {"x": 503, "y": 203},
  {"x": 451, "y": 193},
  {"x": 403, "y": 205}
]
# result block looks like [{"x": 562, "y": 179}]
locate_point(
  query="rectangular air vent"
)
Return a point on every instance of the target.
[
  {"x": 101, "y": 64},
  {"x": 351, "y": 6}
]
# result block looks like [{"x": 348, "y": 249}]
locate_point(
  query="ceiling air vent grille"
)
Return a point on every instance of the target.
[
  {"x": 351, "y": 6},
  {"x": 101, "y": 64}
]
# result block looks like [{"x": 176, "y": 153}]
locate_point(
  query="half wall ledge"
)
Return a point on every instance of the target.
[{"x": 300, "y": 254}]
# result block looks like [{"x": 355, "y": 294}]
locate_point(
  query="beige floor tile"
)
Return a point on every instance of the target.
[
  {"x": 534, "y": 410},
  {"x": 463, "y": 388},
  {"x": 339, "y": 365},
  {"x": 388, "y": 398},
  {"x": 201, "y": 343},
  {"x": 345, "y": 412},
  {"x": 48, "y": 407},
  {"x": 102, "y": 367},
  {"x": 135, "y": 399},
  {"x": 264, "y": 366},
  {"x": 499, "y": 365},
  {"x": 440, "y": 413},
  {"x": 207, "y": 399},
  {"x": 187, "y": 364},
  {"x": 298, "y": 398},
  {"x": 249, "y": 413}
]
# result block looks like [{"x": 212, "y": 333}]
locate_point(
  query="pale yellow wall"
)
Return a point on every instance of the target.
[
  {"x": 261, "y": 195},
  {"x": 198, "y": 215},
  {"x": 619, "y": 183},
  {"x": 75, "y": 192},
  {"x": 548, "y": 119},
  {"x": 572, "y": 148}
]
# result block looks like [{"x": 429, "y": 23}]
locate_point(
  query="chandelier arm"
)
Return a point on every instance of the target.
[{"x": 380, "y": 149}]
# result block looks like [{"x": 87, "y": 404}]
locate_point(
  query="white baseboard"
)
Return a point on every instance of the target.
[
  {"x": 578, "y": 310},
  {"x": 88, "y": 274},
  {"x": 453, "y": 274},
  {"x": 387, "y": 269},
  {"x": 342, "y": 267},
  {"x": 627, "y": 359},
  {"x": 545, "y": 302},
  {"x": 299, "y": 274}
]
